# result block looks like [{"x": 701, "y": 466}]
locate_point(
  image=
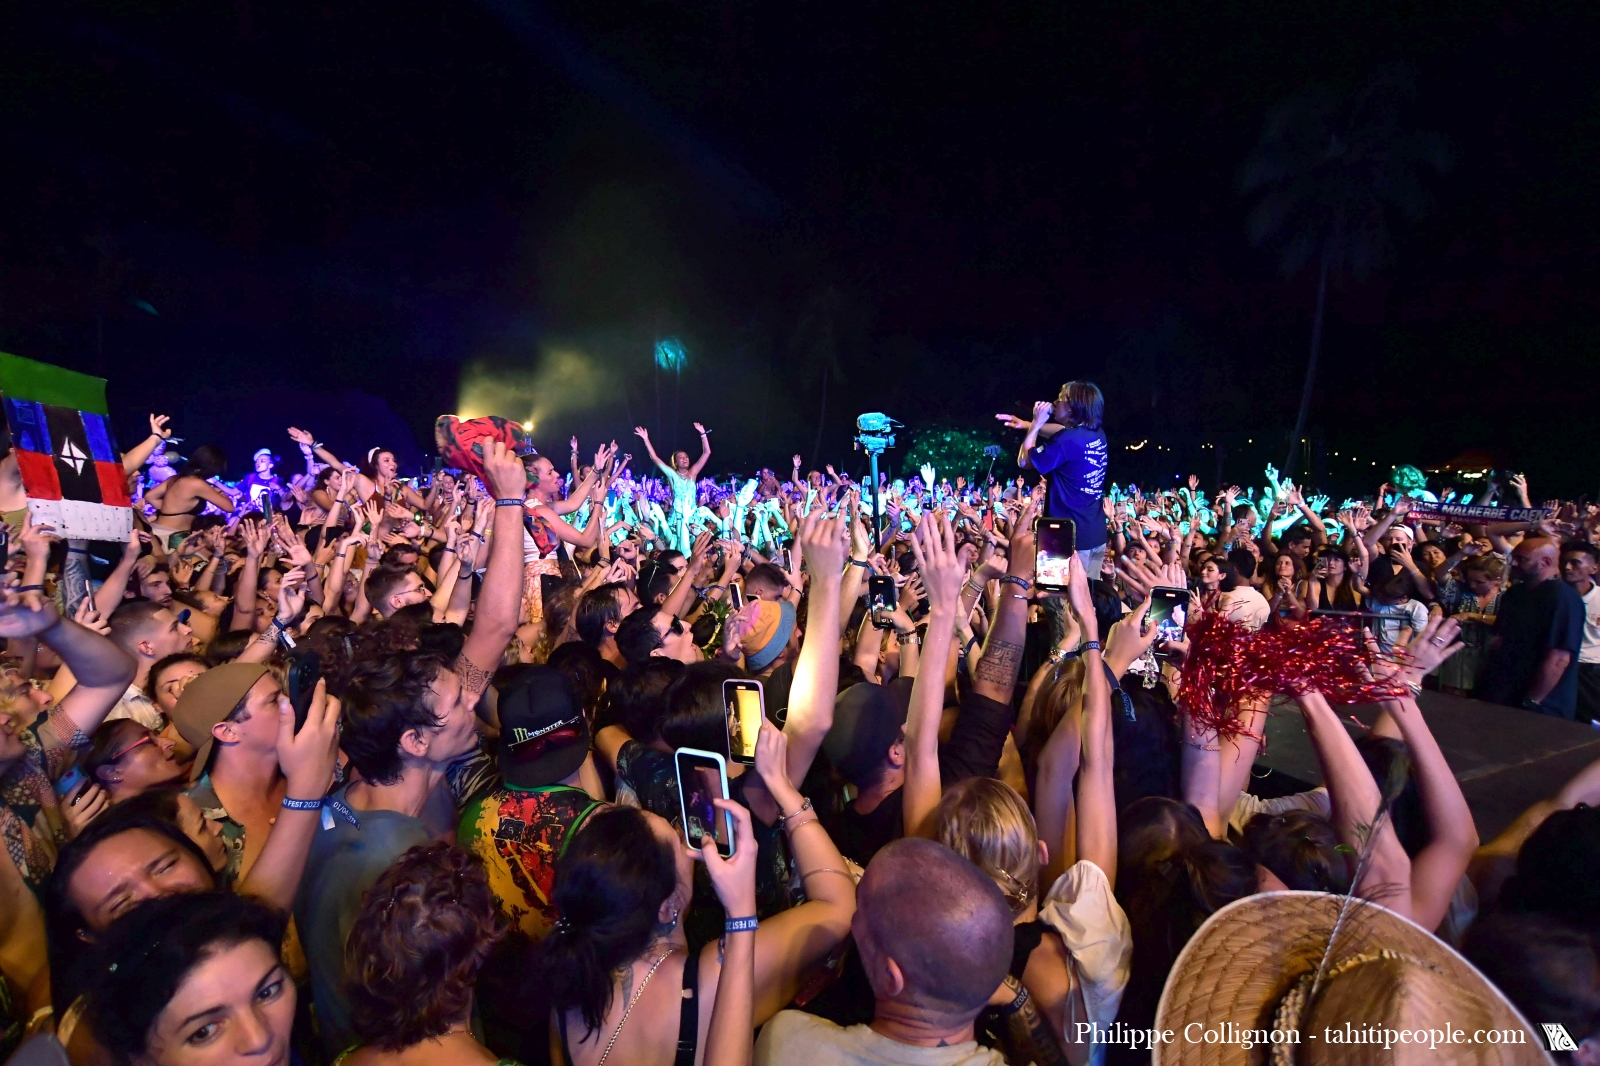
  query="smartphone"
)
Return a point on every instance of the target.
[
  {"x": 1169, "y": 612},
  {"x": 304, "y": 670},
  {"x": 70, "y": 782},
  {"x": 882, "y": 598},
  {"x": 702, "y": 778},
  {"x": 1057, "y": 540},
  {"x": 735, "y": 596},
  {"x": 747, "y": 708}
]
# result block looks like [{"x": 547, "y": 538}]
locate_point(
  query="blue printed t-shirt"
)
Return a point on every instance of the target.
[{"x": 1075, "y": 462}]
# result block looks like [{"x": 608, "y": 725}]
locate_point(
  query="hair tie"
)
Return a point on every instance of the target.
[{"x": 563, "y": 926}]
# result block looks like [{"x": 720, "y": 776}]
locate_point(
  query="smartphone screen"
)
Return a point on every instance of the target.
[
  {"x": 746, "y": 706},
  {"x": 882, "y": 598},
  {"x": 735, "y": 596},
  {"x": 702, "y": 778},
  {"x": 1169, "y": 612},
  {"x": 1057, "y": 543}
]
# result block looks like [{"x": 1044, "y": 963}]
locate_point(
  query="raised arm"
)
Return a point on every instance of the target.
[
  {"x": 1041, "y": 416},
  {"x": 939, "y": 563},
  {"x": 705, "y": 452},
  {"x": 650, "y": 450},
  {"x": 305, "y": 440},
  {"x": 102, "y": 669},
  {"x": 995, "y": 674},
  {"x": 500, "y": 600},
  {"x": 822, "y": 543},
  {"x": 1452, "y": 837},
  {"x": 134, "y": 459},
  {"x": 1355, "y": 799}
]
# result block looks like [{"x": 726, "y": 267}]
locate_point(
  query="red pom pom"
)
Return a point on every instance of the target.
[{"x": 1228, "y": 667}]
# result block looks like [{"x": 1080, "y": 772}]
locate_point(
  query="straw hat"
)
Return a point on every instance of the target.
[{"x": 1251, "y": 967}]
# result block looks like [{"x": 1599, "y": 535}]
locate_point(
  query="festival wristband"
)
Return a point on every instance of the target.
[
  {"x": 1088, "y": 646},
  {"x": 508, "y": 503},
  {"x": 28, "y": 588},
  {"x": 863, "y": 563},
  {"x": 1021, "y": 582},
  {"x": 301, "y": 805},
  {"x": 741, "y": 925}
]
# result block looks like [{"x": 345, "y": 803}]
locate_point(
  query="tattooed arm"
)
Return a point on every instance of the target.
[{"x": 995, "y": 674}]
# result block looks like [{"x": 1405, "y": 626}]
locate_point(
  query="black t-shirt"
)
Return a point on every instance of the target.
[
  {"x": 1534, "y": 620},
  {"x": 859, "y": 836}
]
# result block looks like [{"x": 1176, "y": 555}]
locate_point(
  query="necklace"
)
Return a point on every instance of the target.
[{"x": 631, "y": 1004}]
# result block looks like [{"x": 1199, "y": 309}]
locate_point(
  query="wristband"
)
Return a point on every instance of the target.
[
  {"x": 28, "y": 588},
  {"x": 863, "y": 563},
  {"x": 741, "y": 925},
  {"x": 508, "y": 503},
  {"x": 301, "y": 805},
  {"x": 1089, "y": 645},
  {"x": 1018, "y": 1003},
  {"x": 1021, "y": 582}
]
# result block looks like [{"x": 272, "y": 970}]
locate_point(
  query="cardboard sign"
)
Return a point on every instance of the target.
[{"x": 61, "y": 432}]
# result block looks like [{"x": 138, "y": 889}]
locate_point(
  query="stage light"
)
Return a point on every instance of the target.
[
  {"x": 670, "y": 354},
  {"x": 527, "y": 425}
]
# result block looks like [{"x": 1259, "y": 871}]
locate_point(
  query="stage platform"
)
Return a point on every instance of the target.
[{"x": 1505, "y": 758}]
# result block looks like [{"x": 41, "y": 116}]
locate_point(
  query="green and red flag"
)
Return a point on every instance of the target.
[{"x": 61, "y": 432}]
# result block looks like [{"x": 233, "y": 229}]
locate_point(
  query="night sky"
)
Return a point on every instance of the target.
[{"x": 356, "y": 216}]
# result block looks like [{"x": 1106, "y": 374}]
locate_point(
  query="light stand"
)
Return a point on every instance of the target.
[{"x": 874, "y": 433}]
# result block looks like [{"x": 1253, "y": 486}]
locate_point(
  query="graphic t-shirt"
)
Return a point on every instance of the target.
[
  {"x": 1075, "y": 462},
  {"x": 519, "y": 834}
]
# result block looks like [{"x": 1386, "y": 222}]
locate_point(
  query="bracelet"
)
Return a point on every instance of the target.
[
  {"x": 911, "y": 638},
  {"x": 792, "y": 826},
  {"x": 806, "y": 806},
  {"x": 977, "y": 590},
  {"x": 1089, "y": 645},
  {"x": 863, "y": 563},
  {"x": 830, "y": 870},
  {"x": 28, "y": 588},
  {"x": 508, "y": 503},
  {"x": 338, "y": 555},
  {"x": 301, "y": 805},
  {"x": 1022, "y": 583},
  {"x": 449, "y": 549},
  {"x": 741, "y": 925}
]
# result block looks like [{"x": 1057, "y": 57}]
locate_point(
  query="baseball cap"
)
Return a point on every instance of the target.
[
  {"x": 207, "y": 700},
  {"x": 867, "y": 721},
  {"x": 544, "y": 736},
  {"x": 766, "y": 641}
]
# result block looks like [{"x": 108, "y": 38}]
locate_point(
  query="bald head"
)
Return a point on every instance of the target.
[
  {"x": 1536, "y": 558},
  {"x": 940, "y": 921}
]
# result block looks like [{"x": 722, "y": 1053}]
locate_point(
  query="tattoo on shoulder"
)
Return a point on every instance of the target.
[
  {"x": 1000, "y": 662},
  {"x": 472, "y": 678}
]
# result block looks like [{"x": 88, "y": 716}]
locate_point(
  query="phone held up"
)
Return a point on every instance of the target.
[
  {"x": 747, "y": 709},
  {"x": 703, "y": 778},
  {"x": 882, "y": 599},
  {"x": 1057, "y": 540},
  {"x": 735, "y": 596},
  {"x": 304, "y": 670},
  {"x": 1169, "y": 612}
]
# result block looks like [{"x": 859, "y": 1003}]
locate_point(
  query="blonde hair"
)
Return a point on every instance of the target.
[
  {"x": 987, "y": 823},
  {"x": 1055, "y": 698}
]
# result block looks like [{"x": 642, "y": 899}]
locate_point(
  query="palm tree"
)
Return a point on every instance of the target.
[{"x": 1330, "y": 171}]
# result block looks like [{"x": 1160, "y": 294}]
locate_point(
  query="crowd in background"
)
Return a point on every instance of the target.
[{"x": 342, "y": 767}]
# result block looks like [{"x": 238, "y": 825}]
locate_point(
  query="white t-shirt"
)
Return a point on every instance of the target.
[
  {"x": 1247, "y": 606},
  {"x": 1083, "y": 911},
  {"x": 1397, "y": 616},
  {"x": 794, "y": 1038},
  {"x": 1590, "y": 652}
]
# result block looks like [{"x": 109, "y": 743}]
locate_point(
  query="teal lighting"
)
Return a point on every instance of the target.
[{"x": 670, "y": 354}]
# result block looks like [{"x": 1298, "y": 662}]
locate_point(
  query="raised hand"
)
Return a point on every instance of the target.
[
  {"x": 255, "y": 538},
  {"x": 89, "y": 618},
  {"x": 291, "y": 595},
  {"x": 1042, "y": 410},
  {"x": 89, "y": 803},
  {"x": 504, "y": 472},
  {"x": 302, "y": 437},
  {"x": 158, "y": 426},
  {"x": 938, "y": 565},
  {"x": 698, "y": 428},
  {"x": 823, "y": 543},
  {"x": 1012, "y": 421},
  {"x": 642, "y": 433},
  {"x": 309, "y": 756},
  {"x": 1194, "y": 482}
]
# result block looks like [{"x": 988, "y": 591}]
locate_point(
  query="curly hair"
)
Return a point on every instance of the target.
[
  {"x": 385, "y": 700},
  {"x": 414, "y": 952}
]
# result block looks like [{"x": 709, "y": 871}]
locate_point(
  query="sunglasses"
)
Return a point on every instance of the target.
[{"x": 146, "y": 739}]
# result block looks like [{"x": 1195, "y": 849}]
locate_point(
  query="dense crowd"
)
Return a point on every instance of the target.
[{"x": 341, "y": 767}]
